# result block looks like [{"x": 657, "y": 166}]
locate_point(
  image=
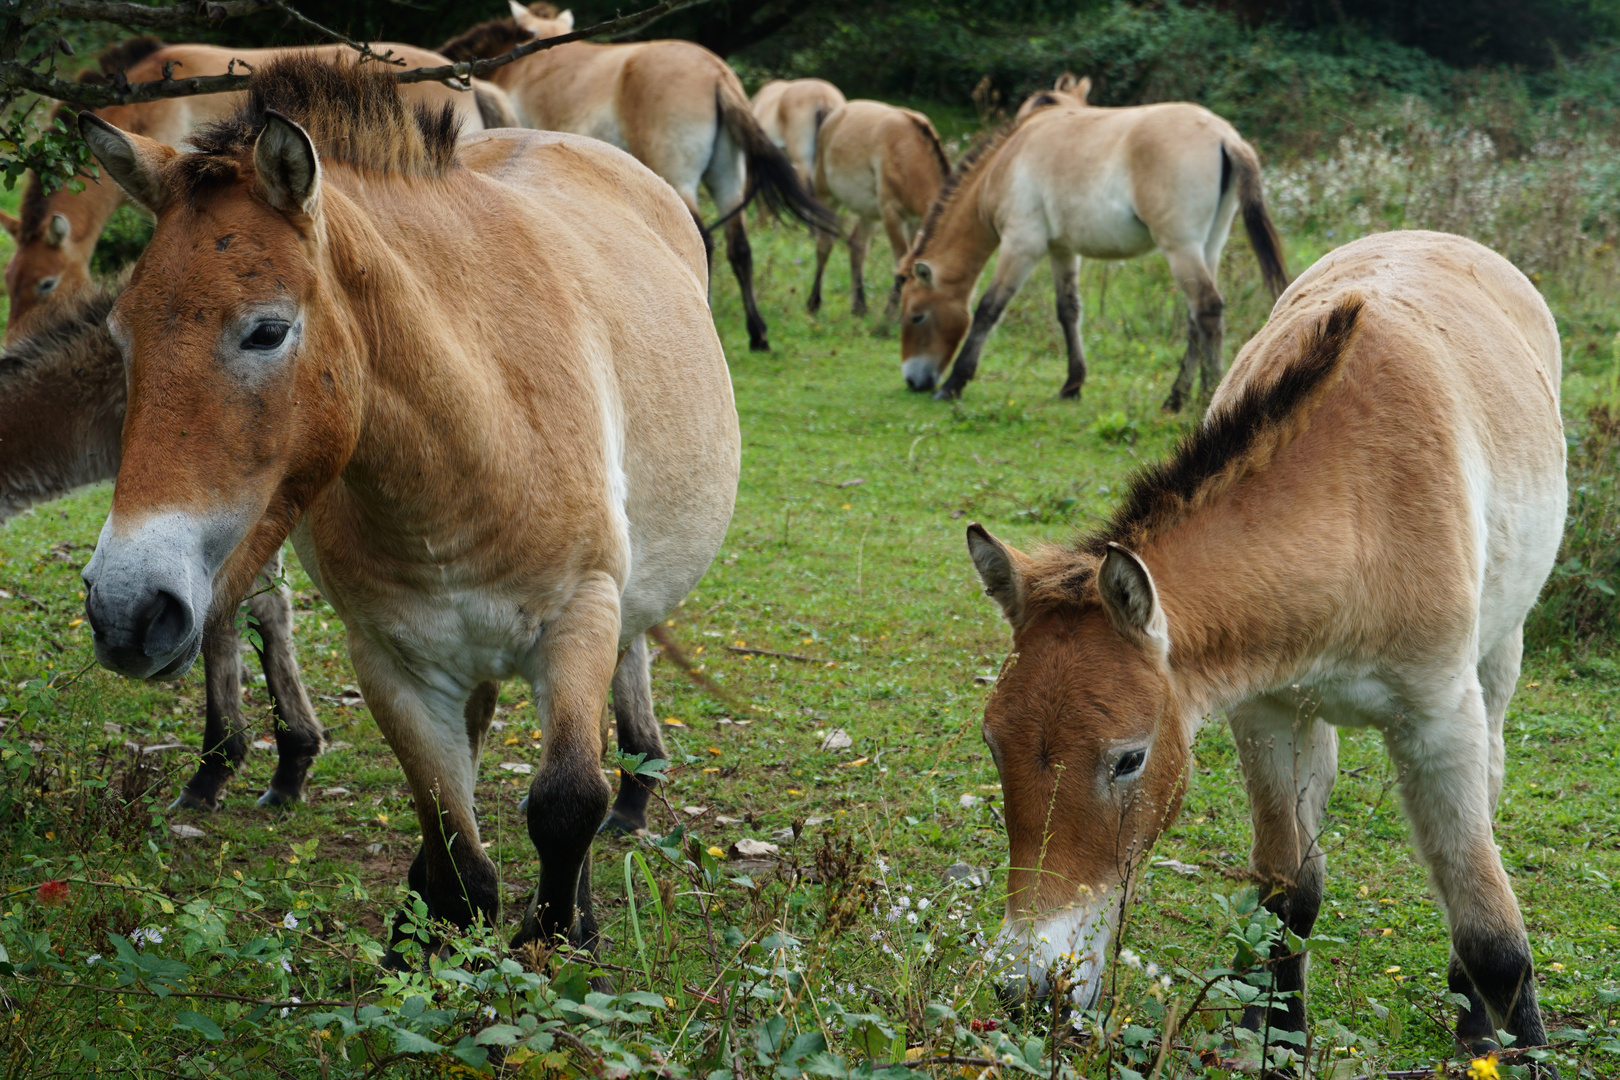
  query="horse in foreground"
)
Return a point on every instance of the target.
[
  {"x": 64, "y": 395},
  {"x": 791, "y": 112},
  {"x": 56, "y": 233},
  {"x": 883, "y": 164},
  {"x": 1353, "y": 537},
  {"x": 674, "y": 105},
  {"x": 478, "y": 494},
  {"x": 1075, "y": 181}
]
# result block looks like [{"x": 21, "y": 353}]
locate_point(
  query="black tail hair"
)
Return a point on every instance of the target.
[
  {"x": 770, "y": 175},
  {"x": 1263, "y": 237}
]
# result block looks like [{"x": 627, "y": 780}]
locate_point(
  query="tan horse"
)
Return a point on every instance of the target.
[
  {"x": 1353, "y": 537},
  {"x": 1070, "y": 90},
  {"x": 791, "y": 112},
  {"x": 504, "y": 448},
  {"x": 883, "y": 164},
  {"x": 674, "y": 105},
  {"x": 1074, "y": 182},
  {"x": 57, "y": 233},
  {"x": 63, "y": 388}
]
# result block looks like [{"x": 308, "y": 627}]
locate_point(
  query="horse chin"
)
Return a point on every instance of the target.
[
  {"x": 1065, "y": 951},
  {"x": 920, "y": 373}
]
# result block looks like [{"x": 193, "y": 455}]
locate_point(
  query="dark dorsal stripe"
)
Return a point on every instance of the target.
[
  {"x": 977, "y": 155},
  {"x": 486, "y": 40}
]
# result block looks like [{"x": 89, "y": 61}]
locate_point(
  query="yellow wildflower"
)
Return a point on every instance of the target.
[{"x": 1483, "y": 1068}]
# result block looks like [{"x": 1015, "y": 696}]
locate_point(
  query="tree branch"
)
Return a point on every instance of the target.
[
  {"x": 127, "y": 14},
  {"x": 16, "y": 76}
]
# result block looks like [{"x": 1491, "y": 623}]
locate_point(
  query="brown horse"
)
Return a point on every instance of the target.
[
  {"x": 1353, "y": 537},
  {"x": 64, "y": 395},
  {"x": 674, "y": 105},
  {"x": 506, "y": 447},
  {"x": 882, "y": 164},
  {"x": 790, "y": 112},
  {"x": 56, "y": 233},
  {"x": 1073, "y": 182}
]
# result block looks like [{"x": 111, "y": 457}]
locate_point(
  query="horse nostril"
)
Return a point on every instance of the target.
[{"x": 162, "y": 623}]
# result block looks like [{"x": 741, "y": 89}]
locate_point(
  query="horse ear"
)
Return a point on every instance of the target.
[
  {"x": 923, "y": 273},
  {"x": 134, "y": 162},
  {"x": 566, "y": 20},
  {"x": 1082, "y": 89},
  {"x": 1066, "y": 81},
  {"x": 58, "y": 230},
  {"x": 11, "y": 225},
  {"x": 1001, "y": 568},
  {"x": 1131, "y": 600},
  {"x": 288, "y": 168}
]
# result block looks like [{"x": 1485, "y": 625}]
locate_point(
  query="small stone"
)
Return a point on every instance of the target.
[
  {"x": 339, "y": 745},
  {"x": 837, "y": 739},
  {"x": 1184, "y": 869},
  {"x": 160, "y": 748},
  {"x": 335, "y": 792},
  {"x": 497, "y": 725},
  {"x": 373, "y": 849},
  {"x": 522, "y": 768},
  {"x": 187, "y": 832},
  {"x": 812, "y": 822},
  {"x": 753, "y": 849},
  {"x": 723, "y": 819},
  {"x": 968, "y": 802},
  {"x": 985, "y": 680},
  {"x": 112, "y": 729},
  {"x": 694, "y": 811},
  {"x": 971, "y": 876},
  {"x": 263, "y": 744},
  {"x": 784, "y": 835}
]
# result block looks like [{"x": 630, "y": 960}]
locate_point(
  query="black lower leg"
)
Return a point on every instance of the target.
[
  {"x": 638, "y": 733},
  {"x": 1068, "y": 313},
  {"x": 1297, "y": 907},
  {"x": 1212, "y": 330},
  {"x": 1474, "y": 1031},
  {"x": 741, "y": 256},
  {"x": 224, "y": 727},
  {"x": 299, "y": 737},
  {"x": 1500, "y": 968},
  {"x": 985, "y": 317},
  {"x": 567, "y": 802}
]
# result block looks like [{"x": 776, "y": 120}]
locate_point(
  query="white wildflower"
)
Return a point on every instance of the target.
[
  {"x": 286, "y": 965},
  {"x": 905, "y": 902},
  {"x": 290, "y": 921},
  {"x": 91, "y": 959},
  {"x": 287, "y": 1011},
  {"x": 489, "y": 1011},
  {"x": 922, "y": 905},
  {"x": 1130, "y": 958},
  {"x": 911, "y": 917}
]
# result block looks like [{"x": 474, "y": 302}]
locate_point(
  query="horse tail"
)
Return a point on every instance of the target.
[
  {"x": 494, "y": 105},
  {"x": 770, "y": 175},
  {"x": 1238, "y": 161}
]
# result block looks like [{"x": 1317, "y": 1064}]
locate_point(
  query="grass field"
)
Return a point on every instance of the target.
[{"x": 847, "y": 548}]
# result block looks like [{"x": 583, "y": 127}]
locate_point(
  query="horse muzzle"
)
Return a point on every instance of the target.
[
  {"x": 920, "y": 373},
  {"x": 147, "y": 594},
  {"x": 1063, "y": 952}
]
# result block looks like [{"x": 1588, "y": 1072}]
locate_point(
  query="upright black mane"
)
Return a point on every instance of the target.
[
  {"x": 982, "y": 150},
  {"x": 485, "y": 40}
]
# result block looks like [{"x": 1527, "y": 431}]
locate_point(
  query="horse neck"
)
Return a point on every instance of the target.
[
  {"x": 1250, "y": 585},
  {"x": 962, "y": 240},
  {"x": 64, "y": 416}
]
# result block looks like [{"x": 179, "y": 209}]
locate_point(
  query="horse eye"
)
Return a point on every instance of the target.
[
  {"x": 45, "y": 285},
  {"x": 918, "y": 318},
  {"x": 1129, "y": 762},
  {"x": 267, "y": 335}
]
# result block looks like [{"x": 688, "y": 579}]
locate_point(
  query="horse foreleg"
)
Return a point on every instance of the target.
[
  {"x": 299, "y": 737},
  {"x": 1012, "y": 270},
  {"x": 824, "y": 245},
  {"x": 1290, "y": 761},
  {"x": 224, "y": 727},
  {"x": 741, "y": 257},
  {"x": 1204, "y": 324},
  {"x": 1444, "y": 763},
  {"x": 568, "y": 797},
  {"x": 1066, "y": 283},
  {"x": 860, "y": 239},
  {"x": 638, "y": 733},
  {"x": 894, "y": 226}
]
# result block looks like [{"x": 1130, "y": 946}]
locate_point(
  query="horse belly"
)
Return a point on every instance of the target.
[{"x": 1100, "y": 222}]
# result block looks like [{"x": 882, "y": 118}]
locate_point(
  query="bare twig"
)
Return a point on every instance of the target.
[
  {"x": 168, "y": 15},
  {"x": 746, "y": 651},
  {"x": 680, "y": 660}
]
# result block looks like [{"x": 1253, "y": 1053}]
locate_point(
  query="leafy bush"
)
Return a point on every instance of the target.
[{"x": 1581, "y": 604}]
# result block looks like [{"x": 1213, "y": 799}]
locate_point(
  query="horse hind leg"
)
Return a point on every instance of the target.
[
  {"x": 741, "y": 256},
  {"x": 638, "y": 733},
  {"x": 860, "y": 240},
  {"x": 1066, "y": 284},
  {"x": 299, "y": 737},
  {"x": 824, "y": 245},
  {"x": 1205, "y": 325},
  {"x": 224, "y": 726},
  {"x": 1444, "y": 764}
]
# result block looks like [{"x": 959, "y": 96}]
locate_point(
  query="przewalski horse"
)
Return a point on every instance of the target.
[
  {"x": 881, "y": 163},
  {"x": 57, "y": 233},
  {"x": 478, "y": 498},
  {"x": 790, "y": 112},
  {"x": 1353, "y": 537},
  {"x": 674, "y": 105},
  {"x": 1087, "y": 182},
  {"x": 1070, "y": 90},
  {"x": 62, "y": 401}
]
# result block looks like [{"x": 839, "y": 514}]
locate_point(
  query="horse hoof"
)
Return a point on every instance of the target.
[
  {"x": 759, "y": 345},
  {"x": 190, "y": 800},
  {"x": 813, "y": 306},
  {"x": 1070, "y": 392},
  {"x": 1172, "y": 404},
  {"x": 618, "y": 824},
  {"x": 947, "y": 393},
  {"x": 278, "y": 799}
]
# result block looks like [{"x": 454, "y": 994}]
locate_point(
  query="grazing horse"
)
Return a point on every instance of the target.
[
  {"x": 882, "y": 164},
  {"x": 63, "y": 392},
  {"x": 791, "y": 112},
  {"x": 674, "y": 105},
  {"x": 479, "y": 385},
  {"x": 56, "y": 233},
  {"x": 1073, "y": 182},
  {"x": 1353, "y": 538},
  {"x": 1070, "y": 90}
]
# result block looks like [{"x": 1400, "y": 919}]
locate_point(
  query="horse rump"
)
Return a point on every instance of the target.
[{"x": 771, "y": 175}]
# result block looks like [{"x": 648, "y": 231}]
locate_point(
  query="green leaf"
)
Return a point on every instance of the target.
[
  {"x": 409, "y": 1042},
  {"x": 499, "y": 1035},
  {"x": 196, "y": 1021}
]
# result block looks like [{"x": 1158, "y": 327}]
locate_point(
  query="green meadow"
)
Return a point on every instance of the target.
[{"x": 848, "y": 950}]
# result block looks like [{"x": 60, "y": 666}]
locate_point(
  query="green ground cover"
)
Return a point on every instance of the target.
[{"x": 847, "y": 548}]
